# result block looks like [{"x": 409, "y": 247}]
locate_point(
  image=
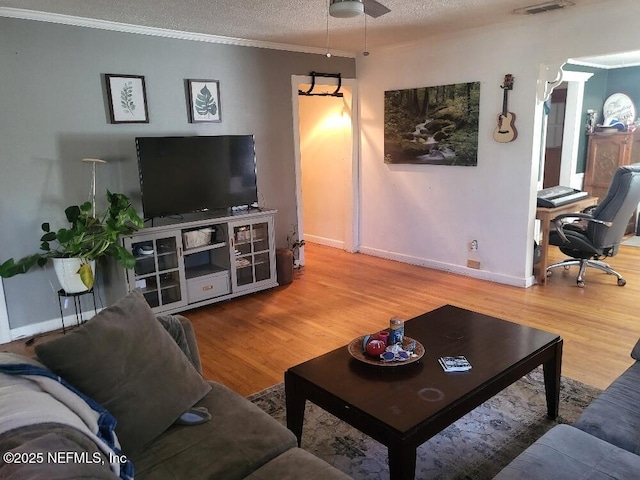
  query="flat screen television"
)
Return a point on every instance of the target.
[{"x": 180, "y": 175}]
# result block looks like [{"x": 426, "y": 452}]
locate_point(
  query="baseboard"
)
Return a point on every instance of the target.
[
  {"x": 448, "y": 267},
  {"x": 48, "y": 325},
  {"x": 328, "y": 242}
]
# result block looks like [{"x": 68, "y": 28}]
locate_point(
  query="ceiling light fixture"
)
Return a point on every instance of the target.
[
  {"x": 346, "y": 8},
  {"x": 366, "y": 51}
]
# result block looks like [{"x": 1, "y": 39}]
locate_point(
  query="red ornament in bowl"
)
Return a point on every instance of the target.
[{"x": 375, "y": 347}]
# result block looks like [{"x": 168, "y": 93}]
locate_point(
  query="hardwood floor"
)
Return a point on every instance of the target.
[{"x": 247, "y": 343}]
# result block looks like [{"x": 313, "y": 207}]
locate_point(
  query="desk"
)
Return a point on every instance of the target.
[{"x": 545, "y": 215}]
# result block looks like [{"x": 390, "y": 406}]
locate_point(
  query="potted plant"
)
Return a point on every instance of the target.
[
  {"x": 89, "y": 238},
  {"x": 286, "y": 257},
  {"x": 294, "y": 243}
]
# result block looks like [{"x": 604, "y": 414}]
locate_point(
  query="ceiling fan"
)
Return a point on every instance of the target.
[{"x": 353, "y": 8}]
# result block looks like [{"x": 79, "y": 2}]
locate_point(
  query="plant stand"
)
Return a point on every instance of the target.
[{"x": 76, "y": 303}]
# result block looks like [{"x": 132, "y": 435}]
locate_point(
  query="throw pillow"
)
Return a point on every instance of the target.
[{"x": 125, "y": 360}]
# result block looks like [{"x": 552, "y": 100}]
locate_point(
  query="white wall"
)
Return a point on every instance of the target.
[
  {"x": 427, "y": 214},
  {"x": 326, "y": 157}
]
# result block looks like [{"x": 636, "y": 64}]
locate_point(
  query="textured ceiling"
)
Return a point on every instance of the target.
[{"x": 298, "y": 22}]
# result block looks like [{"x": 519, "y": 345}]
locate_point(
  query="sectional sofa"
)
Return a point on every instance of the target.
[
  {"x": 122, "y": 397},
  {"x": 603, "y": 444}
]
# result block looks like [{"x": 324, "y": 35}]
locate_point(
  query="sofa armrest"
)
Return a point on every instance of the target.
[{"x": 191, "y": 341}]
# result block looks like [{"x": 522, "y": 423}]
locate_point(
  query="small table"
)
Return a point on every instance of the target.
[
  {"x": 545, "y": 215},
  {"x": 402, "y": 407}
]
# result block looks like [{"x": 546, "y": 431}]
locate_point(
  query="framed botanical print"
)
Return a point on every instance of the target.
[
  {"x": 204, "y": 101},
  {"x": 127, "y": 97}
]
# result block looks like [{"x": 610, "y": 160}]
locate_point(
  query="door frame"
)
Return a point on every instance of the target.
[
  {"x": 572, "y": 129},
  {"x": 574, "y": 123},
  {"x": 352, "y": 218}
]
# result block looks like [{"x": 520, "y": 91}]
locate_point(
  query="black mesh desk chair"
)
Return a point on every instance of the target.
[{"x": 598, "y": 234}]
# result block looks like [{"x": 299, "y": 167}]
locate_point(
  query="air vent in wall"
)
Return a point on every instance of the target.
[{"x": 544, "y": 7}]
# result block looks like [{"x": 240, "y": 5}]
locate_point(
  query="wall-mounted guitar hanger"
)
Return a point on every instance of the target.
[
  {"x": 335, "y": 93},
  {"x": 506, "y": 131}
]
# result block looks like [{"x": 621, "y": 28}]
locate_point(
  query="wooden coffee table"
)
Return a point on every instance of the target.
[{"x": 402, "y": 407}]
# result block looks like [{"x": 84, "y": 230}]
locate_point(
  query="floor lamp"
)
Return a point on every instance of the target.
[{"x": 92, "y": 192}]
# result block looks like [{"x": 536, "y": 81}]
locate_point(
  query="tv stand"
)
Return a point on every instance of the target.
[{"x": 199, "y": 259}]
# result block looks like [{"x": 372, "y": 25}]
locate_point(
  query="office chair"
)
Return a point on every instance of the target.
[{"x": 598, "y": 234}]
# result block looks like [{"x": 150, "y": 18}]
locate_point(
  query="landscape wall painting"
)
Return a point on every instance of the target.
[{"x": 432, "y": 125}]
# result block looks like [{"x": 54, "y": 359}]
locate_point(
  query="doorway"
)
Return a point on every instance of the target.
[{"x": 326, "y": 163}]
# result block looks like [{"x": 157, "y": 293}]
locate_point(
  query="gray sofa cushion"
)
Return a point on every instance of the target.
[
  {"x": 566, "y": 452},
  {"x": 125, "y": 360},
  {"x": 296, "y": 464},
  {"x": 615, "y": 415},
  {"x": 238, "y": 439}
]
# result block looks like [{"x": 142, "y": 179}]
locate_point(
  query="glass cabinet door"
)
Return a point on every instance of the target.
[
  {"x": 253, "y": 260},
  {"x": 157, "y": 272}
]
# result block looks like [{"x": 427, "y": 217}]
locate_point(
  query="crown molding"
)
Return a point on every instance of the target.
[
  {"x": 582, "y": 63},
  {"x": 158, "y": 32}
]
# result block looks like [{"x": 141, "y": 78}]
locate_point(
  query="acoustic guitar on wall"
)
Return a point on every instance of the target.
[{"x": 506, "y": 131}]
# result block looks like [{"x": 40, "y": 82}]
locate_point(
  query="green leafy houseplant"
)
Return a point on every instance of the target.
[
  {"x": 89, "y": 237},
  {"x": 293, "y": 242}
]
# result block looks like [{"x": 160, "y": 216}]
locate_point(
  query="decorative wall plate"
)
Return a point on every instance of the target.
[{"x": 620, "y": 107}]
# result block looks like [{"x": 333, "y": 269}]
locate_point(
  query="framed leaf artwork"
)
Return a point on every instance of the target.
[
  {"x": 204, "y": 101},
  {"x": 127, "y": 98}
]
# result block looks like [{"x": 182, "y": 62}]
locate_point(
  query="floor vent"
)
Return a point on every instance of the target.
[{"x": 544, "y": 7}]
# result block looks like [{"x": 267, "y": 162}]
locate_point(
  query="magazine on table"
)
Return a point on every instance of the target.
[{"x": 458, "y": 363}]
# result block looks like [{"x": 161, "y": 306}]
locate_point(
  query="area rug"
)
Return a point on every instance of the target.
[
  {"x": 477, "y": 446},
  {"x": 632, "y": 241}
]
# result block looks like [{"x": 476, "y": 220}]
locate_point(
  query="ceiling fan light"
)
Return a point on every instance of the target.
[{"x": 346, "y": 8}]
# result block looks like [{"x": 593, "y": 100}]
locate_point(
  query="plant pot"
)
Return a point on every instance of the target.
[
  {"x": 284, "y": 265},
  {"x": 67, "y": 272}
]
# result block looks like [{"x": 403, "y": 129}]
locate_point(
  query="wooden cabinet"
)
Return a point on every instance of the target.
[
  {"x": 605, "y": 154},
  {"x": 198, "y": 259}
]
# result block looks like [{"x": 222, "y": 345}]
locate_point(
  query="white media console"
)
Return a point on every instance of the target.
[{"x": 198, "y": 259}]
